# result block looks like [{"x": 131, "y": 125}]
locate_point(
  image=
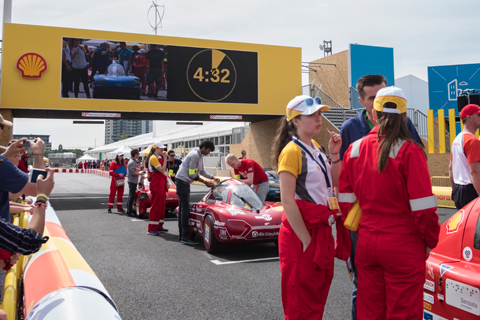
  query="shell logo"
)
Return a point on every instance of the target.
[
  {"x": 455, "y": 222},
  {"x": 31, "y": 65}
]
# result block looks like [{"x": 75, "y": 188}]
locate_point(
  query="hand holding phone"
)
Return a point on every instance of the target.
[{"x": 34, "y": 173}]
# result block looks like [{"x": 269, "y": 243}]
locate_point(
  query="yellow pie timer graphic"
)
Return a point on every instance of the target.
[
  {"x": 31, "y": 65},
  {"x": 211, "y": 75}
]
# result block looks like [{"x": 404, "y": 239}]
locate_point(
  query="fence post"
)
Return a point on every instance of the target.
[
  {"x": 431, "y": 136},
  {"x": 441, "y": 130},
  {"x": 452, "y": 124}
]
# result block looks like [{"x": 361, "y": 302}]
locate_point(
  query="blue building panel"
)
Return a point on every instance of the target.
[
  {"x": 371, "y": 60},
  {"x": 446, "y": 82}
]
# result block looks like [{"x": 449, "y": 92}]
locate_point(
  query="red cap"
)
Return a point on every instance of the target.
[{"x": 468, "y": 110}]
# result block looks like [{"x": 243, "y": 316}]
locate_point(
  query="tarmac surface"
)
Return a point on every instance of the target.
[{"x": 152, "y": 277}]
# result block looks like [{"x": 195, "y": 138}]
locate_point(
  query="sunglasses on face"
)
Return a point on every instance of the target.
[{"x": 172, "y": 155}]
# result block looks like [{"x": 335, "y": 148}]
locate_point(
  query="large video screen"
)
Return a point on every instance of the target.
[{"x": 120, "y": 70}]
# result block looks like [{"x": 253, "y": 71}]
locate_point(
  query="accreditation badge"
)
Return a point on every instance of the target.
[
  {"x": 170, "y": 172},
  {"x": 332, "y": 200}
]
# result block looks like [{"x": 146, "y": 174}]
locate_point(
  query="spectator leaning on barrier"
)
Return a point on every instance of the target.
[
  {"x": 14, "y": 238},
  {"x": 252, "y": 173},
  {"x": 117, "y": 185},
  {"x": 387, "y": 173},
  {"x": 132, "y": 179},
  {"x": 357, "y": 128},
  {"x": 464, "y": 169},
  {"x": 190, "y": 170},
  {"x": 173, "y": 164}
]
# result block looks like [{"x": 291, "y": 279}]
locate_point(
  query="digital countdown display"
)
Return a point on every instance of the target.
[{"x": 131, "y": 74}]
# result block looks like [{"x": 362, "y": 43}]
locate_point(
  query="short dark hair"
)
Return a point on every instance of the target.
[
  {"x": 207, "y": 144},
  {"x": 134, "y": 152},
  {"x": 170, "y": 151},
  {"x": 135, "y": 47},
  {"x": 123, "y": 43},
  {"x": 369, "y": 80}
]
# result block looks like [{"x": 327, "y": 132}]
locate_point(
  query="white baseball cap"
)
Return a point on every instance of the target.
[
  {"x": 158, "y": 144},
  {"x": 304, "y": 105}
]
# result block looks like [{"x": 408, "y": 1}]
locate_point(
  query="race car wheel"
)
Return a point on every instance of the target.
[
  {"x": 209, "y": 240},
  {"x": 140, "y": 215}
]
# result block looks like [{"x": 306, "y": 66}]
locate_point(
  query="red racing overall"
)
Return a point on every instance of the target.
[
  {"x": 399, "y": 220},
  {"x": 114, "y": 189},
  {"x": 306, "y": 276},
  {"x": 158, "y": 181}
]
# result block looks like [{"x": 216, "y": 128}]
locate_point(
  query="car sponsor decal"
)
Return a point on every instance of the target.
[
  {"x": 444, "y": 268},
  {"x": 441, "y": 297},
  {"x": 218, "y": 223},
  {"x": 463, "y": 296},
  {"x": 256, "y": 234},
  {"x": 429, "y": 285},
  {"x": 207, "y": 233},
  {"x": 223, "y": 234},
  {"x": 467, "y": 253},
  {"x": 455, "y": 222},
  {"x": 265, "y": 217},
  {"x": 428, "y": 297},
  {"x": 427, "y": 306},
  {"x": 234, "y": 212},
  {"x": 431, "y": 316},
  {"x": 430, "y": 270}
]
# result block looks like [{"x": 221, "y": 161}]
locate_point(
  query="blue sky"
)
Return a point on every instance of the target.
[{"x": 422, "y": 33}]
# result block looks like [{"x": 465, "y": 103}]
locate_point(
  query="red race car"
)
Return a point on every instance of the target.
[
  {"x": 451, "y": 289},
  {"x": 143, "y": 198},
  {"x": 232, "y": 212}
]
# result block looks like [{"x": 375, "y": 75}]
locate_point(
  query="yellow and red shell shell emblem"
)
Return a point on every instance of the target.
[
  {"x": 455, "y": 222},
  {"x": 31, "y": 65}
]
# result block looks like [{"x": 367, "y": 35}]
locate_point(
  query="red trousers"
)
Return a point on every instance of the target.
[
  {"x": 119, "y": 191},
  {"x": 156, "y": 218},
  {"x": 140, "y": 73},
  {"x": 391, "y": 275},
  {"x": 306, "y": 276}
]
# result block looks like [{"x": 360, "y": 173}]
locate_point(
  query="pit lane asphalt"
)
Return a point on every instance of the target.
[{"x": 159, "y": 278}]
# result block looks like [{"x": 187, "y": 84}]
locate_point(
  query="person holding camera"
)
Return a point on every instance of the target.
[{"x": 117, "y": 185}]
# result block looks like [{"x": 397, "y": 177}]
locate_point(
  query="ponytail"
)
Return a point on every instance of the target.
[
  {"x": 392, "y": 128},
  {"x": 285, "y": 132},
  {"x": 147, "y": 159}
]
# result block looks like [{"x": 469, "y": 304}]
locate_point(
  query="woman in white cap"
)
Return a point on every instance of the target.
[
  {"x": 387, "y": 173},
  {"x": 306, "y": 245},
  {"x": 156, "y": 163},
  {"x": 118, "y": 183}
]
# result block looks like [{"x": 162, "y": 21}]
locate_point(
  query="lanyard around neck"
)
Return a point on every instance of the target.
[{"x": 323, "y": 167}]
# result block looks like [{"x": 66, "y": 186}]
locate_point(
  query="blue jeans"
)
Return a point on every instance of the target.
[{"x": 354, "y": 239}]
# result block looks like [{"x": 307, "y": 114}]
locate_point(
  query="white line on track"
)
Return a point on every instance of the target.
[{"x": 219, "y": 263}]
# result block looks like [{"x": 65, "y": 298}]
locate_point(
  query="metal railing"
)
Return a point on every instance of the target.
[{"x": 338, "y": 115}]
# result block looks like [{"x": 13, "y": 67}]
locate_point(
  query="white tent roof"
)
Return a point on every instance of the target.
[
  {"x": 97, "y": 42},
  {"x": 184, "y": 133},
  {"x": 85, "y": 157},
  {"x": 125, "y": 149}
]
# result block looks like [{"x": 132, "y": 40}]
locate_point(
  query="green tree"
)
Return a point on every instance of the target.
[{"x": 124, "y": 136}]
